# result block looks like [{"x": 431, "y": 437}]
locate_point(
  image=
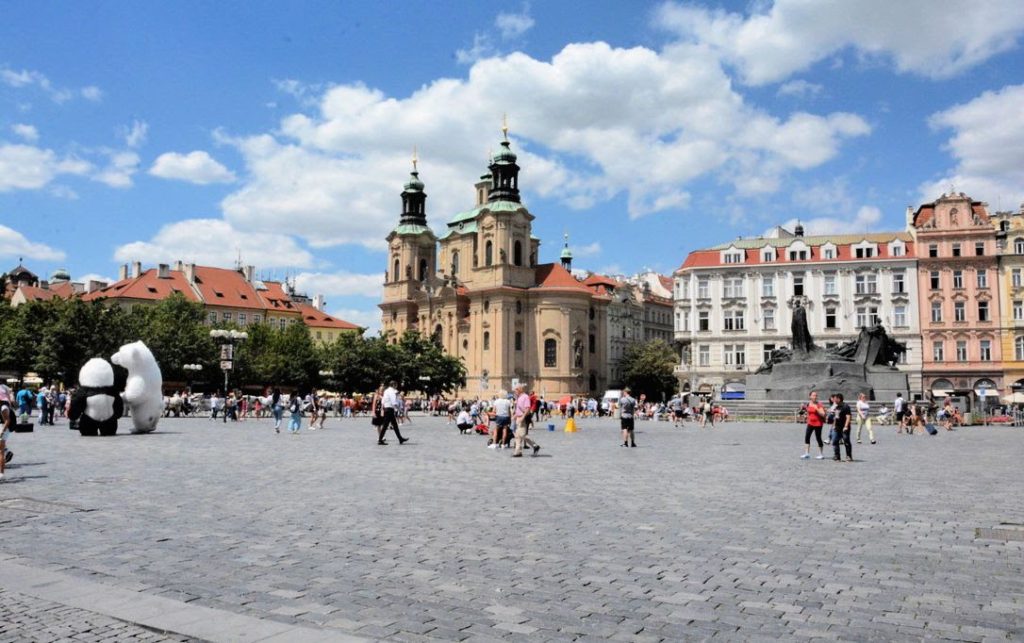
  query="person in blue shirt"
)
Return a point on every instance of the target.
[
  {"x": 24, "y": 398},
  {"x": 42, "y": 405}
]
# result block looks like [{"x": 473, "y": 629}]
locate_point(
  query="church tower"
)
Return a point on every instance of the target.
[{"x": 412, "y": 258}]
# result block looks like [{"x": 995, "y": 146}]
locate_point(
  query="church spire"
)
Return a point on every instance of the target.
[
  {"x": 504, "y": 171},
  {"x": 414, "y": 199},
  {"x": 567, "y": 254}
]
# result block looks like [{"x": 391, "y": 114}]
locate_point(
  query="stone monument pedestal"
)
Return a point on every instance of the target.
[{"x": 795, "y": 381}]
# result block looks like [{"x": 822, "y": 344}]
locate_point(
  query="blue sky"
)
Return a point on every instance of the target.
[{"x": 283, "y": 132}]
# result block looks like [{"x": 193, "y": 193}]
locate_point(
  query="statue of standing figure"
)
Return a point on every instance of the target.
[{"x": 802, "y": 342}]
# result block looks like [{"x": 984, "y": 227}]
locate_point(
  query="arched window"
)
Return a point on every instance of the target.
[
  {"x": 517, "y": 253},
  {"x": 396, "y": 273},
  {"x": 1018, "y": 246},
  {"x": 593, "y": 382},
  {"x": 488, "y": 253},
  {"x": 455, "y": 263},
  {"x": 519, "y": 340},
  {"x": 1018, "y": 348},
  {"x": 519, "y": 308},
  {"x": 438, "y": 334},
  {"x": 423, "y": 269},
  {"x": 550, "y": 353},
  {"x": 487, "y": 340}
]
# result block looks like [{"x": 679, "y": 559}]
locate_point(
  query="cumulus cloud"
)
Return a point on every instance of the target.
[
  {"x": 92, "y": 276},
  {"x": 800, "y": 89},
  {"x": 936, "y": 40},
  {"x": 341, "y": 283},
  {"x": 866, "y": 218},
  {"x": 26, "y": 78},
  {"x": 584, "y": 123},
  {"x": 481, "y": 48},
  {"x": 513, "y": 25},
  {"x": 120, "y": 168},
  {"x": 195, "y": 167},
  {"x": 213, "y": 242},
  {"x": 92, "y": 93},
  {"x": 589, "y": 250},
  {"x": 14, "y": 244},
  {"x": 988, "y": 146},
  {"x": 134, "y": 135},
  {"x": 25, "y": 167},
  {"x": 368, "y": 318},
  {"x": 27, "y": 133}
]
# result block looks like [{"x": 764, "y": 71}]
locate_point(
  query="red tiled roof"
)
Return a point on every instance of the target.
[
  {"x": 844, "y": 252},
  {"x": 148, "y": 286},
  {"x": 601, "y": 280},
  {"x": 33, "y": 293},
  {"x": 225, "y": 287},
  {"x": 926, "y": 211},
  {"x": 318, "y": 319},
  {"x": 65, "y": 290},
  {"x": 666, "y": 282},
  {"x": 553, "y": 275},
  {"x": 275, "y": 298}
]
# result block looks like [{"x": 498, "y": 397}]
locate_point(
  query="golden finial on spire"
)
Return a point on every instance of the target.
[
  {"x": 504, "y": 125},
  {"x": 415, "y": 159}
]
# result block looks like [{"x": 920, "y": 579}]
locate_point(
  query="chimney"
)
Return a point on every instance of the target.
[
  {"x": 122, "y": 272},
  {"x": 44, "y": 284},
  {"x": 136, "y": 269},
  {"x": 163, "y": 271},
  {"x": 319, "y": 303},
  {"x": 92, "y": 285},
  {"x": 178, "y": 266},
  {"x": 190, "y": 273},
  {"x": 250, "y": 273}
]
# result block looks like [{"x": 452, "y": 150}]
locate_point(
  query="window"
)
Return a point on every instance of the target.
[
  {"x": 684, "y": 289},
  {"x": 830, "y": 317},
  {"x": 488, "y": 253},
  {"x": 423, "y": 269},
  {"x": 1018, "y": 348},
  {"x": 961, "y": 350},
  {"x": 933, "y": 250},
  {"x": 455, "y": 263},
  {"x": 797, "y": 255},
  {"x": 958, "y": 279},
  {"x": 936, "y": 282},
  {"x": 830, "y": 283},
  {"x": 985, "y": 350},
  {"x": 979, "y": 249},
  {"x": 1015, "y": 279},
  {"x": 956, "y": 249},
  {"x": 938, "y": 354},
  {"x": 703, "y": 320},
  {"x": 899, "y": 282},
  {"x": 487, "y": 340},
  {"x": 517, "y": 253},
  {"x": 768, "y": 318},
  {"x": 983, "y": 311},
  {"x": 982, "y": 278},
  {"x": 899, "y": 316},
  {"x": 550, "y": 353},
  {"x": 734, "y": 257},
  {"x": 767, "y": 255},
  {"x": 897, "y": 250},
  {"x": 766, "y": 352},
  {"x": 257, "y": 318},
  {"x": 864, "y": 253},
  {"x": 395, "y": 276},
  {"x": 798, "y": 285},
  {"x": 866, "y": 284},
  {"x": 768, "y": 286},
  {"x": 828, "y": 253},
  {"x": 734, "y": 320},
  {"x": 959, "y": 311},
  {"x": 226, "y": 317},
  {"x": 703, "y": 288},
  {"x": 735, "y": 355},
  {"x": 242, "y": 319},
  {"x": 683, "y": 321},
  {"x": 1018, "y": 310},
  {"x": 212, "y": 318},
  {"x": 703, "y": 355},
  {"x": 867, "y": 316},
  {"x": 519, "y": 340},
  {"x": 732, "y": 287},
  {"x": 519, "y": 309},
  {"x": 592, "y": 343},
  {"x": 936, "y": 311},
  {"x": 1018, "y": 246}
]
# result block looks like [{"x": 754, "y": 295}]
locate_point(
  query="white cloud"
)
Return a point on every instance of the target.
[
  {"x": 368, "y": 318},
  {"x": 29, "y": 78},
  {"x": 988, "y": 146},
  {"x": 307, "y": 94},
  {"x": 24, "y": 167},
  {"x": 865, "y": 220},
  {"x": 135, "y": 134},
  {"x": 830, "y": 197},
  {"x": 27, "y": 133},
  {"x": 64, "y": 192},
  {"x": 589, "y": 250},
  {"x": 119, "y": 170},
  {"x": 92, "y": 276},
  {"x": 513, "y": 25},
  {"x": 800, "y": 89},
  {"x": 481, "y": 48},
  {"x": 195, "y": 167},
  {"x": 14, "y": 244},
  {"x": 340, "y": 284},
  {"x": 213, "y": 242},
  {"x": 936, "y": 40},
  {"x": 92, "y": 93},
  {"x": 592, "y": 123}
]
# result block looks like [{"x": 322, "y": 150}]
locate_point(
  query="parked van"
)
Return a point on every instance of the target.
[{"x": 612, "y": 397}]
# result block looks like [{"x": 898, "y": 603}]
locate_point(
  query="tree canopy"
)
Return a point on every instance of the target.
[{"x": 647, "y": 367}]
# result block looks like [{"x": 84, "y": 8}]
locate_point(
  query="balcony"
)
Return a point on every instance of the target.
[{"x": 682, "y": 369}]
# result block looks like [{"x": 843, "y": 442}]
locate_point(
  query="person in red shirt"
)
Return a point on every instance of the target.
[{"x": 815, "y": 420}]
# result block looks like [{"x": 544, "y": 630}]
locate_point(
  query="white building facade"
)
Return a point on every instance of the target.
[{"x": 733, "y": 302}]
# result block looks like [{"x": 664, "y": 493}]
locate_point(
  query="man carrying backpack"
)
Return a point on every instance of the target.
[{"x": 627, "y": 407}]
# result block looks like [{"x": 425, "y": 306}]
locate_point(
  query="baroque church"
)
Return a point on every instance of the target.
[{"x": 479, "y": 291}]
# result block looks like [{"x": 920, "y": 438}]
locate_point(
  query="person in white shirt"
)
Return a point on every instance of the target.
[
  {"x": 389, "y": 402},
  {"x": 900, "y": 409},
  {"x": 502, "y": 422},
  {"x": 463, "y": 422},
  {"x": 863, "y": 417}
]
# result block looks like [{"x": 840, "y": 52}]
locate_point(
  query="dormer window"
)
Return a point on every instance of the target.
[
  {"x": 767, "y": 255},
  {"x": 865, "y": 250},
  {"x": 734, "y": 257},
  {"x": 798, "y": 255},
  {"x": 897, "y": 249},
  {"x": 828, "y": 253}
]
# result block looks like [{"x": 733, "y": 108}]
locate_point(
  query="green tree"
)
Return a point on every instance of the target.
[
  {"x": 647, "y": 368},
  {"x": 175, "y": 331},
  {"x": 78, "y": 331},
  {"x": 359, "y": 364},
  {"x": 422, "y": 365}
]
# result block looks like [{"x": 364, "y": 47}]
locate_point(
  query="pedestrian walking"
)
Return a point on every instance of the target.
[
  {"x": 864, "y": 417},
  {"x": 295, "y": 409},
  {"x": 627, "y": 410},
  {"x": 706, "y": 413},
  {"x": 842, "y": 427},
  {"x": 815, "y": 420},
  {"x": 389, "y": 407},
  {"x": 899, "y": 407},
  {"x": 7, "y": 421},
  {"x": 502, "y": 420},
  {"x": 522, "y": 415},
  {"x": 277, "y": 408}
]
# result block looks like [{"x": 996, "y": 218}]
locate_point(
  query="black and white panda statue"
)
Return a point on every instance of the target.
[{"x": 96, "y": 404}]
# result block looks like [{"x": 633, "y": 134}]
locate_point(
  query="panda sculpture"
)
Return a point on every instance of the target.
[
  {"x": 96, "y": 404},
  {"x": 143, "y": 392}
]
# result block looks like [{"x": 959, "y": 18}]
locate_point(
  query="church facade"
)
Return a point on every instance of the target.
[{"x": 481, "y": 293}]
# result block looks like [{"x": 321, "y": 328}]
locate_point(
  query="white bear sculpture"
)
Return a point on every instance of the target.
[{"x": 143, "y": 392}]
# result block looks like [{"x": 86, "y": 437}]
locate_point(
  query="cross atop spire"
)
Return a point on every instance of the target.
[
  {"x": 415, "y": 159},
  {"x": 504, "y": 125}
]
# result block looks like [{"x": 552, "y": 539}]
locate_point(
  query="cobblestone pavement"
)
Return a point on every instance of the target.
[{"x": 721, "y": 533}]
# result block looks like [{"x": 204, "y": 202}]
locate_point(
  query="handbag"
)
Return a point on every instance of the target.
[{"x": 376, "y": 420}]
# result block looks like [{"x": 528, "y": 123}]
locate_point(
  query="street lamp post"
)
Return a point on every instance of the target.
[
  {"x": 192, "y": 370},
  {"x": 227, "y": 339}
]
